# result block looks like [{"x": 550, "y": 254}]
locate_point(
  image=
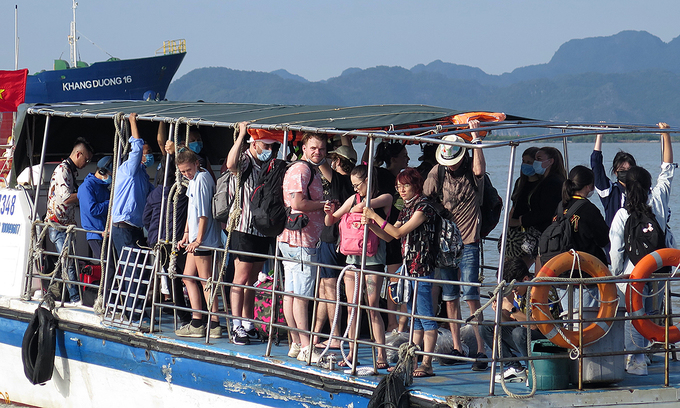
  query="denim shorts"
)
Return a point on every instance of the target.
[
  {"x": 467, "y": 272},
  {"x": 423, "y": 305},
  {"x": 329, "y": 256},
  {"x": 299, "y": 277}
]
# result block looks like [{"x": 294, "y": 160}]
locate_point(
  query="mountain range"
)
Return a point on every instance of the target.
[{"x": 629, "y": 77}]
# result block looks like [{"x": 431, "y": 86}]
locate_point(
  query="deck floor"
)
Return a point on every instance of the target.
[{"x": 456, "y": 380}]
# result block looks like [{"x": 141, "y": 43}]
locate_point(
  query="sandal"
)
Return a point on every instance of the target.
[
  {"x": 382, "y": 365},
  {"x": 342, "y": 363},
  {"x": 423, "y": 372}
]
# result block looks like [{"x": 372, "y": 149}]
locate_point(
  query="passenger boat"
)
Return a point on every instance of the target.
[
  {"x": 102, "y": 359},
  {"x": 113, "y": 79}
]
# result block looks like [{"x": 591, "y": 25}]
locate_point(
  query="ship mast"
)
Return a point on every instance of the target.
[{"x": 72, "y": 37}]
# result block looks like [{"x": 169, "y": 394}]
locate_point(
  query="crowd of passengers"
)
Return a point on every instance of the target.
[{"x": 326, "y": 181}]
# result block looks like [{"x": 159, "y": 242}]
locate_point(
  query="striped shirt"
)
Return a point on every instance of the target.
[{"x": 245, "y": 223}]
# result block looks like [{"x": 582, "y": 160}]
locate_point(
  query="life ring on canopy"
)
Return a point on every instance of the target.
[
  {"x": 463, "y": 118},
  {"x": 38, "y": 346},
  {"x": 541, "y": 309},
  {"x": 649, "y": 264}
]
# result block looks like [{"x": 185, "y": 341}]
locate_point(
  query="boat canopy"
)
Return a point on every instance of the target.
[{"x": 215, "y": 121}]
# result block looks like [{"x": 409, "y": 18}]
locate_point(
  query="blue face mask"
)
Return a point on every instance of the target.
[
  {"x": 265, "y": 155},
  {"x": 538, "y": 167},
  {"x": 107, "y": 180},
  {"x": 196, "y": 146},
  {"x": 149, "y": 160},
  {"x": 528, "y": 169}
]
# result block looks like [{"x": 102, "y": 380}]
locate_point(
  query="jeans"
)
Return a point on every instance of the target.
[
  {"x": 58, "y": 238},
  {"x": 513, "y": 341}
]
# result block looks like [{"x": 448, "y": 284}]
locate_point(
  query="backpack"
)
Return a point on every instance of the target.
[
  {"x": 266, "y": 203},
  {"x": 352, "y": 235},
  {"x": 450, "y": 240},
  {"x": 225, "y": 191},
  {"x": 492, "y": 203},
  {"x": 557, "y": 238},
  {"x": 492, "y": 206},
  {"x": 642, "y": 235}
]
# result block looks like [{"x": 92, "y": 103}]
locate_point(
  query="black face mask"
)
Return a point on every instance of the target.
[{"x": 621, "y": 176}]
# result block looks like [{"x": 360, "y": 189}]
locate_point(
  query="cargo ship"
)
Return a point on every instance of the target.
[{"x": 113, "y": 79}]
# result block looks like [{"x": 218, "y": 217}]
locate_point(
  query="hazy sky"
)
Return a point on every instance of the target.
[{"x": 319, "y": 39}]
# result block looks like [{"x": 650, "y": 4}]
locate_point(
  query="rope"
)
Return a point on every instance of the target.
[
  {"x": 52, "y": 294},
  {"x": 172, "y": 267},
  {"x": 231, "y": 224},
  {"x": 119, "y": 139}
]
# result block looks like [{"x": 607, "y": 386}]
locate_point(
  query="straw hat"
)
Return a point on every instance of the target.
[{"x": 346, "y": 152}]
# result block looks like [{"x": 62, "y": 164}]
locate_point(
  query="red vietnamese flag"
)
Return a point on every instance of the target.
[{"x": 12, "y": 89}]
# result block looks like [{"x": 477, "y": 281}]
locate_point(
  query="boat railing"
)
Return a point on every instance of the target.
[{"x": 172, "y": 47}]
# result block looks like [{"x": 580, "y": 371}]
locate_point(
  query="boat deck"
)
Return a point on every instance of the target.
[{"x": 457, "y": 385}]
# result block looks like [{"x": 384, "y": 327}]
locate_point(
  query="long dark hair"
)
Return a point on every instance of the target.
[
  {"x": 638, "y": 185},
  {"x": 523, "y": 180},
  {"x": 620, "y": 158},
  {"x": 558, "y": 162},
  {"x": 386, "y": 151},
  {"x": 361, "y": 172},
  {"x": 579, "y": 177}
]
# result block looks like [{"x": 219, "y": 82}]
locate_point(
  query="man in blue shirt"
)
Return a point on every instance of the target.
[
  {"x": 130, "y": 192},
  {"x": 131, "y": 188}
]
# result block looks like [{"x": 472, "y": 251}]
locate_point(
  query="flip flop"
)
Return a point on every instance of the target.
[
  {"x": 382, "y": 366},
  {"x": 323, "y": 346},
  {"x": 423, "y": 373},
  {"x": 342, "y": 363}
]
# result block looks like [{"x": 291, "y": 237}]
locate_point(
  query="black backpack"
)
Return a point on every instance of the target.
[
  {"x": 642, "y": 235},
  {"x": 492, "y": 203},
  {"x": 557, "y": 238},
  {"x": 266, "y": 203}
]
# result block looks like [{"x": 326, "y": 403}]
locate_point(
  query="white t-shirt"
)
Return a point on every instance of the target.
[{"x": 200, "y": 192}]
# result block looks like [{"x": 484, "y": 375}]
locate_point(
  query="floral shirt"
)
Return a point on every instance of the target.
[
  {"x": 419, "y": 247},
  {"x": 62, "y": 185}
]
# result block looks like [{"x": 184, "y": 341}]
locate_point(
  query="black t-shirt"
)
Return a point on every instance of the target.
[{"x": 339, "y": 188}]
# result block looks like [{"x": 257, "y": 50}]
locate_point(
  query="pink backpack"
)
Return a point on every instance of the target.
[{"x": 352, "y": 235}]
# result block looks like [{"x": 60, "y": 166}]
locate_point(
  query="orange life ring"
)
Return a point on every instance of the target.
[
  {"x": 634, "y": 302},
  {"x": 463, "y": 118},
  {"x": 541, "y": 310}
]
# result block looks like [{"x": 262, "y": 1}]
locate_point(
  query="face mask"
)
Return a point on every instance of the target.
[
  {"x": 317, "y": 164},
  {"x": 621, "y": 176},
  {"x": 538, "y": 168},
  {"x": 107, "y": 180},
  {"x": 264, "y": 156},
  {"x": 196, "y": 146},
  {"x": 149, "y": 160},
  {"x": 528, "y": 170}
]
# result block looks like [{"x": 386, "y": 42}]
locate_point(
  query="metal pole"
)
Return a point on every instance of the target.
[
  {"x": 40, "y": 170},
  {"x": 499, "y": 296}
]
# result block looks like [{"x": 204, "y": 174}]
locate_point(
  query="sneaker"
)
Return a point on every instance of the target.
[
  {"x": 294, "y": 350},
  {"x": 190, "y": 331},
  {"x": 513, "y": 374},
  {"x": 304, "y": 354},
  {"x": 452, "y": 361},
  {"x": 637, "y": 368},
  {"x": 216, "y": 332},
  {"x": 253, "y": 335},
  {"x": 78, "y": 303},
  {"x": 240, "y": 336},
  {"x": 480, "y": 365}
]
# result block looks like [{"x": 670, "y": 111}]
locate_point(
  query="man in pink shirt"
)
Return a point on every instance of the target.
[{"x": 302, "y": 192}]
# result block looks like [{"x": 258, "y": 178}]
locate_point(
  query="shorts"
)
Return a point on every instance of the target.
[
  {"x": 299, "y": 277},
  {"x": 202, "y": 252},
  {"x": 467, "y": 272},
  {"x": 393, "y": 252},
  {"x": 240, "y": 241},
  {"x": 329, "y": 256}
]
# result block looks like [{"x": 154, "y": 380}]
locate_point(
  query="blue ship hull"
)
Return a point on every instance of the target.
[{"x": 108, "y": 80}]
